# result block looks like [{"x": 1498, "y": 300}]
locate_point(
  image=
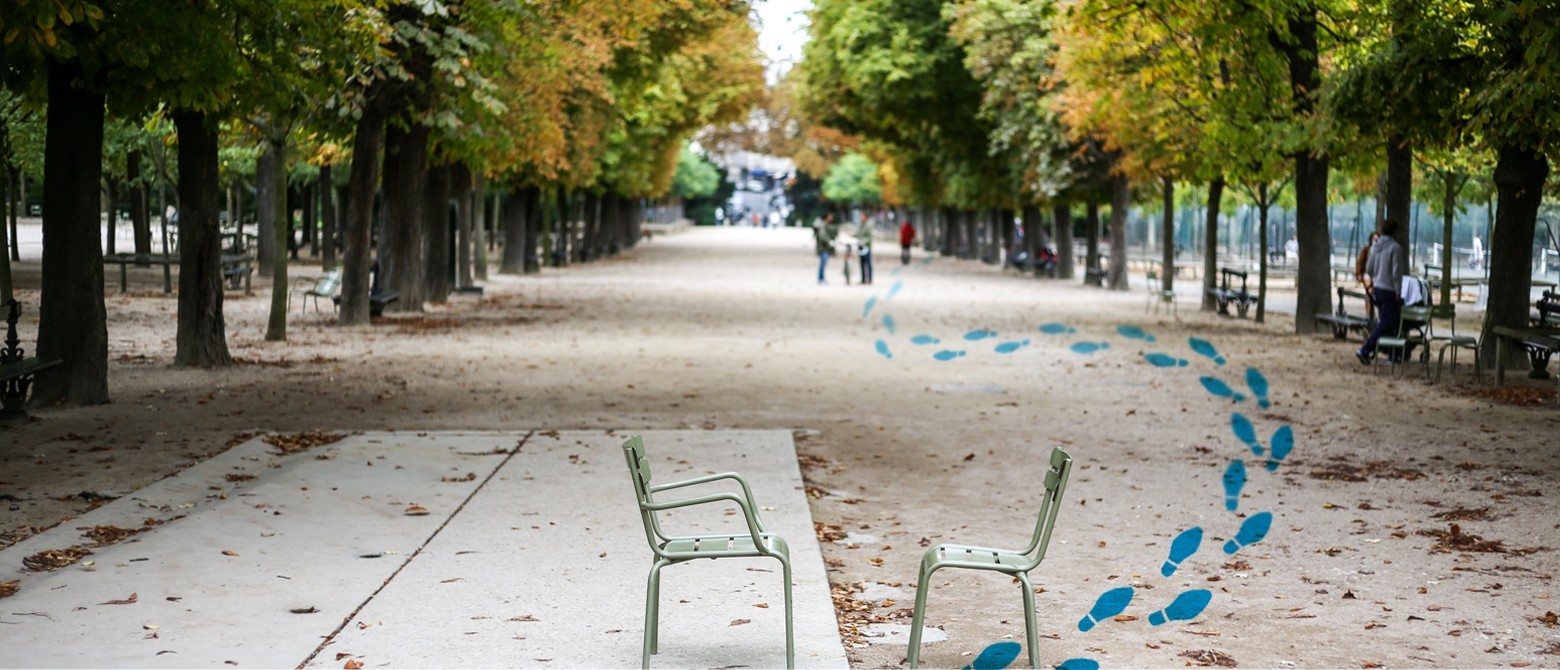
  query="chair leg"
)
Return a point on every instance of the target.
[
  {"x": 652, "y": 607},
  {"x": 790, "y": 631},
  {"x": 1030, "y": 632},
  {"x": 918, "y": 617}
]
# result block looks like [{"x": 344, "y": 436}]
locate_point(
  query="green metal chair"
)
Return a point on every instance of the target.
[
  {"x": 1455, "y": 342},
  {"x": 1407, "y": 334},
  {"x": 313, "y": 289},
  {"x": 1015, "y": 563},
  {"x": 673, "y": 549}
]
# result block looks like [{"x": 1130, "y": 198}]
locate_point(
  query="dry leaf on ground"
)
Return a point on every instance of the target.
[
  {"x": 51, "y": 559},
  {"x": 127, "y": 601}
]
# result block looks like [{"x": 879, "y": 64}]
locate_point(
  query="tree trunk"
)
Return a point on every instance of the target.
[
  {"x": 72, "y": 321},
  {"x": 1400, "y": 187},
  {"x": 276, "y": 327},
  {"x": 1210, "y": 278},
  {"x": 310, "y": 225},
  {"x": 401, "y": 241},
  {"x": 202, "y": 334},
  {"x": 437, "y": 231},
  {"x": 1313, "y": 276},
  {"x": 1061, "y": 220},
  {"x": 1033, "y": 241},
  {"x": 111, "y": 204},
  {"x": 357, "y": 229},
  {"x": 327, "y": 189},
  {"x": 460, "y": 185},
  {"x": 1520, "y": 173},
  {"x": 268, "y": 207},
  {"x": 1006, "y": 226},
  {"x": 1120, "y": 201},
  {"x": 536, "y": 209},
  {"x": 1262, "y": 258},
  {"x": 140, "y": 213},
  {"x": 479, "y": 226},
  {"x": 1091, "y": 222},
  {"x": 1167, "y": 250},
  {"x": 518, "y": 220},
  {"x": 18, "y": 184}
]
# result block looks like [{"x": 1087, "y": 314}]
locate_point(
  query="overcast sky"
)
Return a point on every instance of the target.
[{"x": 782, "y": 29}]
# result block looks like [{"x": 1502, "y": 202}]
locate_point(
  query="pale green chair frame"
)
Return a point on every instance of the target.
[
  {"x": 1455, "y": 342},
  {"x": 1158, "y": 297},
  {"x": 1014, "y": 563},
  {"x": 1402, "y": 339},
  {"x": 673, "y": 549},
  {"x": 313, "y": 289}
]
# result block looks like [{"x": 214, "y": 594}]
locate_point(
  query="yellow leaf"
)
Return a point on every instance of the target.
[{"x": 49, "y": 38}]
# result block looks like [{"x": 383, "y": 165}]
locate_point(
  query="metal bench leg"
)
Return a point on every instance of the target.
[{"x": 1030, "y": 633}]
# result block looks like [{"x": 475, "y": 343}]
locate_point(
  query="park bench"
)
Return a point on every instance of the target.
[
  {"x": 1094, "y": 277},
  {"x": 17, "y": 370},
  {"x": 1342, "y": 321},
  {"x": 1225, "y": 293},
  {"x": 376, "y": 301},
  {"x": 1546, "y": 312}
]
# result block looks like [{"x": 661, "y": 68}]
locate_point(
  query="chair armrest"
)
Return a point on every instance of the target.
[
  {"x": 306, "y": 284},
  {"x": 747, "y": 491},
  {"x": 755, "y": 529}
]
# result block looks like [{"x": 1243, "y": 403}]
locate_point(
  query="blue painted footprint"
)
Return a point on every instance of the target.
[
  {"x": 1109, "y": 604},
  {"x": 1245, "y": 432},
  {"x": 1010, "y": 347},
  {"x": 1234, "y": 481},
  {"x": 1057, "y": 329},
  {"x": 1259, "y": 386},
  {"x": 1087, "y": 348},
  {"x": 1221, "y": 389},
  {"x": 1185, "y": 606},
  {"x": 894, "y": 290},
  {"x": 867, "y": 309},
  {"x": 947, "y": 355},
  {"x": 1205, "y": 348},
  {"x": 996, "y": 657},
  {"x": 1283, "y": 442},
  {"x": 888, "y": 323},
  {"x": 1079, "y": 664},
  {"x": 1164, "y": 361},
  {"x": 882, "y": 348},
  {"x": 1134, "y": 333},
  {"x": 1181, "y": 548},
  {"x": 1251, "y": 532},
  {"x": 979, "y": 334},
  {"x": 923, "y": 340}
]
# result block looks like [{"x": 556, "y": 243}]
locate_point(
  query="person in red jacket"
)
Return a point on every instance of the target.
[{"x": 906, "y": 238}]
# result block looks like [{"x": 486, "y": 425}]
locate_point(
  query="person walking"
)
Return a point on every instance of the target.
[
  {"x": 1364, "y": 279},
  {"x": 1385, "y": 270},
  {"x": 824, "y": 231},
  {"x": 864, "y": 248},
  {"x": 906, "y": 238}
]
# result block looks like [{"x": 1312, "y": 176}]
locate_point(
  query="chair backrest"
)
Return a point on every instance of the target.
[
  {"x": 639, "y": 471},
  {"x": 328, "y": 283},
  {"x": 1419, "y": 315},
  {"x": 1050, "y": 503}
]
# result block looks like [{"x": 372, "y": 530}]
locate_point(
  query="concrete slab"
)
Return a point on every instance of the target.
[
  {"x": 547, "y": 568},
  {"x": 508, "y": 537}
]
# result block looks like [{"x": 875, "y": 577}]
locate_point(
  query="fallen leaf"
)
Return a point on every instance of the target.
[
  {"x": 352, "y": 664},
  {"x": 416, "y": 510},
  {"x": 1124, "y": 618},
  {"x": 126, "y": 601},
  {"x": 761, "y": 605},
  {"x": 51, "y": 559},
  {"x": 150, "y": 626},
  {"x": 304, "y": 610},
  {"x": 1207, "y": 658},
  {"x": 229, "y": 552},
  {"x": 739, "y": 622},
  {"x": 10, "y": 588},
  {"x": 1549, "y": 619},
  {"x": 523, "y": 617},
  {"x": 970, "y": 456}
]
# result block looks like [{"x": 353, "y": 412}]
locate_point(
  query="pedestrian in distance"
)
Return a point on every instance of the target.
[
  {"x": 864, "y": 248},
  {"x": 906, "y": 238},
  {"x": 1385, "y": 270},
  {"x": 824, "y": 231}
]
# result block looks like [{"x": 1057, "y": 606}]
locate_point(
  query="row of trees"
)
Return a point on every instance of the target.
[
  {"x": 1019, "y": 106},
  {"x": 572, "y": 107}
]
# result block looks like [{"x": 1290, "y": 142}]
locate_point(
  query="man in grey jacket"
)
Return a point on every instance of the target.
[{"x": 1385, "y": 269}]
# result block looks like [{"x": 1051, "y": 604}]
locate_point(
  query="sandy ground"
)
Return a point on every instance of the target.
[{"x": 727, "y": 328}]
